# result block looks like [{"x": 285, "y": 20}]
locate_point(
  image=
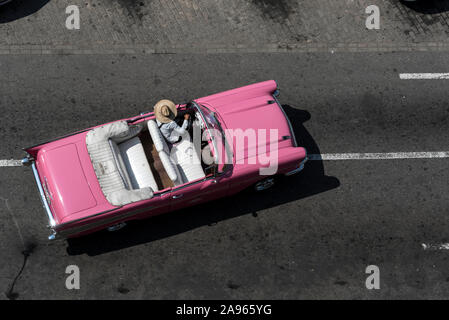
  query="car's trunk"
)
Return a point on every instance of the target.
[{"x": 64, "y": 181}]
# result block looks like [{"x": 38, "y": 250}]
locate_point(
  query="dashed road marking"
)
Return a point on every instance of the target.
[
  {"x": 424, "y": 76},
  {"x": 435, "y": 246},
  {"x": 10, "y": 163},
  {"x": 379, "y": 156}
]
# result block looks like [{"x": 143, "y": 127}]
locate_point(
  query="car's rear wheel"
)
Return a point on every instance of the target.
[
  {"x": 116, "y": 227},
  {"x": 264, "y": 184}
]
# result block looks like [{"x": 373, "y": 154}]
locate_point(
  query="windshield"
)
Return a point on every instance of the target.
[
  {"x": 216, "y": 135},
  {"x": 210, "y": 118}
]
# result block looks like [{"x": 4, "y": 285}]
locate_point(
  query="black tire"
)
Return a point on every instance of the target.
[
  {"x": 265, "y": 184},
  {"x": 116, "y": 227}
]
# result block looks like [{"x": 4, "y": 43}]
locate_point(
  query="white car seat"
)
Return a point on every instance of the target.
[
  {"x": 181, "y": 162},
  {"x": 170, "y": 168},
  {"x": 108, "y": 163},
  {"x": 164, "y": 153},
  {"x": 159, "y": 141},
  {"x": 187, "y": 160},
  {"x": 136, "y": 164}
]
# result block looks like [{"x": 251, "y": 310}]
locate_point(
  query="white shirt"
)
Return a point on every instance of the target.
[{"x": 171, "y": 131}]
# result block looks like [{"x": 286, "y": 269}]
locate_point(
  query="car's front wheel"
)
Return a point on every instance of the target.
[{"x": 264, "y": 184}]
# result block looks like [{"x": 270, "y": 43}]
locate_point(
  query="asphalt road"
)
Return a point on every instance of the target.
[{"x": 310, "y": 238}]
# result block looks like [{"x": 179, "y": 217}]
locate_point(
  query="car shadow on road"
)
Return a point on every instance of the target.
[
  {"x": 427, "y": 6},
  {"x": 309, "y": 182},
  {"x": 18, "y": 9}
]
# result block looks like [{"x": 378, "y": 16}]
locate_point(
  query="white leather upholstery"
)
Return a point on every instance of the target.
[
  {"x": 161, "y": 146},
  {"x": 132, "y": 132},
  {"x": 169, "y": 167},
  {"x": 137, "y": 165},
  {"x": 105, "y": 168},
  {"x": 187, "y": 160},
  {"x": 156, "y": 135},
  {"x": 181, "y": 163},
  {"x": 120, "y": 164},
  {"x": 111, "y": 177}
]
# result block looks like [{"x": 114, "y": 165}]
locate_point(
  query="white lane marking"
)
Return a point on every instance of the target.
[
  {"x": 379, "y": 156},
  {"x": 423, "y": 76},
  {"x": 433, "y": 246},
  {"x": 10, "y": 163}
]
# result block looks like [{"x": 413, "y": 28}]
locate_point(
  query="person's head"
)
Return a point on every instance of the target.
[{"x": 165, "y": 111}]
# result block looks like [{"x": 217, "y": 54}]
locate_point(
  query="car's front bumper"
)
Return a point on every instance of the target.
[{"x": 275, "y": 96}]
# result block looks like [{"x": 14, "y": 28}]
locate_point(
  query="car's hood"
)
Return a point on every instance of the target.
[
  {"x": 64, "y": 181},
  {"x": 258, "y": 115}
]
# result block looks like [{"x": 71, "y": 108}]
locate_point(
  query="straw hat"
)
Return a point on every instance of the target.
[{"x": 165, "y": 111}]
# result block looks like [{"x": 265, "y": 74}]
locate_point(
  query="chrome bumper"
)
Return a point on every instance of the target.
[
  {"x": 275, "y": 96},
  {"x": 301, "y": 166},
  {"x": 51, "y": 220}
]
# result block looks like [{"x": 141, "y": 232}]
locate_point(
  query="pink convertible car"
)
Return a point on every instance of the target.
[{"x": 101, "y": 177}]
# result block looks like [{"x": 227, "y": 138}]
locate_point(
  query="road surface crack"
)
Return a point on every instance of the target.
[
  {"x": 26, "y": 252},
  {"x": 10, "y": 294}
]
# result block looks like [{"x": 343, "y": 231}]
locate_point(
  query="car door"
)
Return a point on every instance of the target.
[
  {"x": 216, "y": 187},
  {"x": 207, "y": 189},
  {"x": 186, "y": 195},
  {"x": 160, "y": 203}
]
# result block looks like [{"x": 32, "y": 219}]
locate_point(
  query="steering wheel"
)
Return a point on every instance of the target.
[{"x": 207, "y": 155}]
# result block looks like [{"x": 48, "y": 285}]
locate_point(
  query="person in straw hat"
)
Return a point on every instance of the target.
[{"x": 166, "y": 112}]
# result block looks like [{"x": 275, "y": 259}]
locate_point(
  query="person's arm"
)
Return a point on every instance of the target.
[
  {"x": 173, "y": 131},
  {"x": 181, "y": 130}
]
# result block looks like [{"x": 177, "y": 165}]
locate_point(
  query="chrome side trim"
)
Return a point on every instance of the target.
[
  {"x": 188, "y": 184},
  {"x": 99, "y": 223},
  {"x": 275, "y": 94},
  {"x": 85, "y": 218},
  {"x": 51, "y": 220}
]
